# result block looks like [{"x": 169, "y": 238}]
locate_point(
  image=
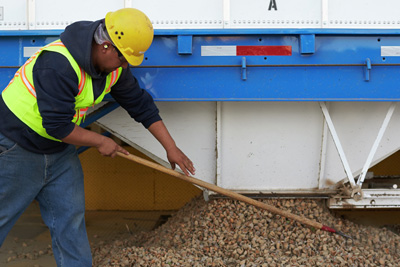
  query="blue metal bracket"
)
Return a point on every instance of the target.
[
  {"x": 307, "y": 43},
  {"x": 367, "y": 69},
  {"x": 185, "y": 44},
  {"x": 244, "y": 69}
]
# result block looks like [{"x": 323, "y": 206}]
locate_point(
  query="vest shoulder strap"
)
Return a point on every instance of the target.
[{"x": 59, "y": 47}]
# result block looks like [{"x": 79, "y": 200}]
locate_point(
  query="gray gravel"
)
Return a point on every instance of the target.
[{"x": 224, "y": 232}]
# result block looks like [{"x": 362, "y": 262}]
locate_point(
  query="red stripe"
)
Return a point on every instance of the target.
[
  {"x": 262, "y": 50},
  {"x": 328, "y": 229}
]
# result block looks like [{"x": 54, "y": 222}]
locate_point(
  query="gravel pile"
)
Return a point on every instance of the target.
[{"x": 224, "y": 232}]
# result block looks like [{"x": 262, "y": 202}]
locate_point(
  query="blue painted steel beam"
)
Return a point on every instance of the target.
[
  {"x": 273, "y": 84},
  {"x": 332, "y": 65},
  {"x": 329, "y": 50}
]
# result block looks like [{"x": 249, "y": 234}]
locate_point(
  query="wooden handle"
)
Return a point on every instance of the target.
[{"x": 222, "y": 191}]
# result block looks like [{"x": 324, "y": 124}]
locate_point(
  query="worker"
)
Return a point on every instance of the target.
[{"x": 40, "y": 112}]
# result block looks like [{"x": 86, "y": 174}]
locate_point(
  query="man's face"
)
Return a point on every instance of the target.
[{"x": 112, "y": 60}]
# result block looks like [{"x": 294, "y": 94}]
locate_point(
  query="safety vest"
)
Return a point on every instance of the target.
[{"x": 20, "y": 94}]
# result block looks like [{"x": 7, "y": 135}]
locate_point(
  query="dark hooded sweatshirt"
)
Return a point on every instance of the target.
[{"x": 56, "y": 85}]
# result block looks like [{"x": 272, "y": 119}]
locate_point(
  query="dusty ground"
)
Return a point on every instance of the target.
[
  {"x": 29, "y": 243},
  {"x": 28, "y": 235}
]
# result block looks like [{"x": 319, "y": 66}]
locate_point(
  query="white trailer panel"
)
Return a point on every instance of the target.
[
  {"x": 363, "y": 14},
  {"x": 192, "y": 124},
  {"x": 208, "y": 14},
  {"x": 268, "y": 146}
]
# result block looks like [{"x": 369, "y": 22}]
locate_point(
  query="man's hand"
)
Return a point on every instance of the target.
[
  {"x": 176, "y": 156},
  {"x": 109, "y": 148}
]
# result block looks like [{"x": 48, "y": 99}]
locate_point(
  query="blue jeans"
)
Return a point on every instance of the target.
[{"x": 56, "y": 182}]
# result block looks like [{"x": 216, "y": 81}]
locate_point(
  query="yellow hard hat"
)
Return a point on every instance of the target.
[{"x": 131, "y": 32}]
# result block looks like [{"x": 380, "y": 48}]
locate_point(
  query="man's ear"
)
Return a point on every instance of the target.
[{"x": 106, "y": 45}]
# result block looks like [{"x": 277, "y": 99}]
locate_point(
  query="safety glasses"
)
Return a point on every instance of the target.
[{"x": 120, "y": 56}]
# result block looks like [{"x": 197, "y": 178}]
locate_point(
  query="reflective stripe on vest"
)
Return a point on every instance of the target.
[
  {"x": 20, "y": 94},
  {"x": 81, "y": 113}
]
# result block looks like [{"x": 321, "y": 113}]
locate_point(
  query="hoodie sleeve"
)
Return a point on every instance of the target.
[
  {"x": 135, "y": 100},
  {"x": 56, "y": 85}
]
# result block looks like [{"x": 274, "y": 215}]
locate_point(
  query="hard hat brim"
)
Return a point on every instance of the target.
[{"x": 134, "y": 60}]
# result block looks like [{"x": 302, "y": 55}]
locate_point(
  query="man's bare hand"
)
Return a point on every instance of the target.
[
  {"x": 109, "y": 148},
  {"x": 176, "y": 156}
]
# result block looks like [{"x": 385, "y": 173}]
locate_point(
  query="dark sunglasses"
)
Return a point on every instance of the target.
[{"x": 120, "y": 56}]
